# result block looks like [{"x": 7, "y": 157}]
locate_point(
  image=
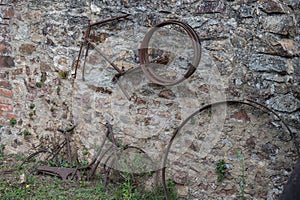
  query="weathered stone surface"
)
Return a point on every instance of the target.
[
  {"x": 215, "y": 6},
  {"x": 6, "y": 61},
  {"x": 167, "y": 94},
  {"x": 4, "y": 47},
  {"x": 240, "y": 116},
  {"x": 273, "y": 6},
  {"x": 296, "y": 90},
  {"x": 238, "y": 42},
  {"x": 213, "y": 30},
  {"x": 55, "y": 27},
  {"x": 291, "y": 189},
  {"x": 246, "y": 11},
  {"x": 279, "y": 24},
  {"x": 295, "y": 4},
  {"x": 75, "y": 20},
  {"x": 270, "y": 44},
  {"x": 296, "y": 66},
  {"x": 285, "y": 103},
  {"x": 5, "y": 84},
  {"x": 7, "y": 11},
  {"x": 267, "y": 63},
  {"x": 27, "y": 48}
]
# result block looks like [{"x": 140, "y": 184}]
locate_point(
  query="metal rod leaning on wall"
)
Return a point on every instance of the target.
[
  {"x": 87, "y": 41},
  {"x": 208, "y": 106},
  {"x": 143, "y": 54}
]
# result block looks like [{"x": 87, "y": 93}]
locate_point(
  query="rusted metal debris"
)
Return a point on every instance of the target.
[
  {"x": 62, "y": 172},
  {"x": 143, "y": 53},
  {"x": 144, "y": 57},
  {"x": 248, "y": 102}
]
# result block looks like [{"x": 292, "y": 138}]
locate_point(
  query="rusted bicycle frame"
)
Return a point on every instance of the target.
[
  {"x": 143, "y": 53},
  {"x": 247, "y": 102},
  {"x": 65, "y": 172},
  {"x": 87, "y": 41}
]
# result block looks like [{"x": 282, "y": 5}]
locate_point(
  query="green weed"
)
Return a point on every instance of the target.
[
  {"x": 13, "y": 122},
  {"x": 221, "y": 170},
  {"x": 26, "y": 132},
  {"x": 242, "y": 182},
  {"x": 32, "y": 106}
]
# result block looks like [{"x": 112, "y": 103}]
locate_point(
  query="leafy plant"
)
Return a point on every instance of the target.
[
  {"x": 39, "y": 84},
  {"x": 85, "y": 152},
  {"x": 32, "y": 106},
  {"x": 26, "y": 132},
  {"x": 2, "y": 147},
  {"x": 58, "y": 90},
  {"x": 13, "y": 122},
  {"x": 221, "y": 170},
  {"x": 63, "y": 74},
  {"x": 47, "y": 187}
]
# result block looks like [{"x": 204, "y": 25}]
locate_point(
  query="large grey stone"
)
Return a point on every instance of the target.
[
  {"x": 270, "y": 44},
  {"x": 285, "y": 103},
  {"x": 279, "y": 24},
  {"x": 296, "y": 65},
  {"x": 215, "y": 6},
  {"x": 273, "y": 6},
  {"x": 246, "y": 11},
  {"x": 268, "y": 63}
]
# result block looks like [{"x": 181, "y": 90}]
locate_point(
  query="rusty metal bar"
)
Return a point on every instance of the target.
[{"x": 208, "y": 106}]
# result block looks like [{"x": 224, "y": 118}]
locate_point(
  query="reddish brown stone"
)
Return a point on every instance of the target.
[
  {"x": 3, "y": 47},
  {"x": 3, "y": 75},
  {"x": 204, "y": 88},
  {"x": 17, "y": 71},
  {"x": 5, "y": 92},
  {"x": 4, "y": 100},
  {"x": 27, "y": 70},
  {"x": 7, "y": 12},
  {"x": 27, "y": 48},
  {"x": 139, "y": 100},
  {"x": 230, "y": 192},
  {"x": 5, "y": 108},
  {"x": 203, "y": 186},
  {"x": 11, "y": 115},
  {"x": 167, "y": 94},
  {"x": 178, "y": 116},
  {"x": 6, "y": 61},
  {"x": 62, "y": 61},
  {"x": 241, "y": 116},
  {"x": 180, "y": 177},
  {"x": 5, "y": 84},
  {"x": 3, "y": 29}
]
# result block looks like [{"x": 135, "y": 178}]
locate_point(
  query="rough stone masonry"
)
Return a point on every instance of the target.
[{"x": 255, "y": 45}]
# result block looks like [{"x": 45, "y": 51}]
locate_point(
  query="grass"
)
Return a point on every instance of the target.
[
  {"x": 243, "y": 182},
  {"x": 221, "y": 170},
  {"x": 46, "y": 187}
]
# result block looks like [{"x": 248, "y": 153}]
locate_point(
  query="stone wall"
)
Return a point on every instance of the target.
[
  {"x": 6, "y": 62},
  {"x": 253, "y": 44}
]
